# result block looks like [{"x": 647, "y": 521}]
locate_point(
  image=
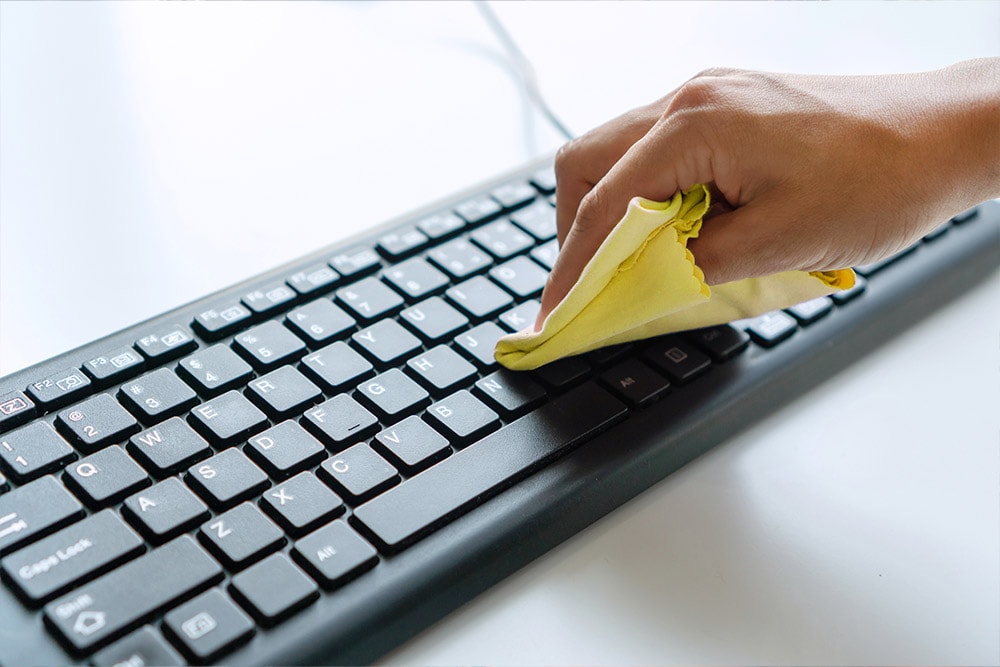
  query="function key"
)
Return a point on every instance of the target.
[
  {"x": 440, "y": 225},
  {"x": 59, "y": 388},
  {"x": 166, "y": 343},
  {"x": 319, "y": 321},
  {"x": 478, "y": 209},
  {"x": 398, "y": 244},
  {"x": 218, "y": 321},
  {"x": 114, "y": 366},
  {"x": 15, "y": 408},
  {"x": 369, "y": 299},
  {"x": 721, "y": 342},
  {"x": 544, "y": 180},
  {"x": 355, "y": 261},
  {"x": 312, "y": 279},
  {"x": 157, "y": 395},
  {"x": 214, "y": 369},
  {"x": 771, "y": 328},
  {"x": 269, "y": 298},
  {"x": 680, "y": 361},
  {"x": 513, "y": 195},
  {"x": 33, "y": 450},
  {"x": 96, "y": 422}
]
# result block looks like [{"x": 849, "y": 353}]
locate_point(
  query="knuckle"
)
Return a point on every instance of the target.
[
  {"x": 565, "y": 158},
  {"x": 592, "y": 211}
]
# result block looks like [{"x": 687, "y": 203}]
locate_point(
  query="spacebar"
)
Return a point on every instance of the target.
[{"x": 423, "y": 503}]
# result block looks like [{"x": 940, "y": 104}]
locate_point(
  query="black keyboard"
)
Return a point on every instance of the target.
[{"x": 314, "y": 465}]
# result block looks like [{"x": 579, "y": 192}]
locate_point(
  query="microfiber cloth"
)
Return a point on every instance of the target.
[{"x": 644, "y": 282}]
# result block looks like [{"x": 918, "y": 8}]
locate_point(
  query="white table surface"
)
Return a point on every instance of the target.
[{"x": 152, "y": 153}]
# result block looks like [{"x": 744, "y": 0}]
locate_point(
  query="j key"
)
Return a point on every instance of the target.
[
  {"x": 399, "y": 244},
  {"x": 157, "y": 395},
  {"x": 241, "y": 535},
  {"x": 369, "y": 299},
  {"x": 415, "y": 278},
  {"x": 283, "y": 391},
  {"x": 440, "y": 225},
  {"x": 502, "y": 239},
  {"x": 412, "y": 444},
  {"x": 392, "y": 394},
  {"x": 355, "y": 261},
  {"x": 358, "y": 473},
  {"x": 478, "y": 209},
  {"x": 114, "y": 366},
  {"x": 95, "y": 422},
  {"x": 510, "y": 393},
  {"x": 165, "y": 510},
  {"x": 721, "y": 342},
  {"x": 105, "y": 477},
  {"x": 334, "y": 554},
  {"x": 874, "y": 267},
  {"x": 208, "y": 625},
  {"x": 33, "y": 510},
  {"x": 539, "y": 220},
  {"x": 434, "y": 320},
  {"x": 319, "y": 321},
  {"x": 269, "y": 298},
  {"x": 459, "y": 258},
  {"x": 143, "y": 647},
  {"x": 635, "y": 382},
  {"x": 166, "y": 343},
  {"x": 462, "y": 417},
  {"x": 544, "y": 180},
  {"x": 442, "y": 369},
  {"x": 227, "y": 478},
  {"x": 336, "y": 366},
  {"x": 680, "y": 361},
  {"x": 771, "y": 328},
  {"x": 105, "y": 608},
  {"x": 15, "y": 408},
  {"x": 479, "y": 342},
  {"x": 514, "y": 195},
  {"x": 59, "y": 388},
  {"x": 386, "y": 342},
  {"x": 76, "y": 552},
  {"x": 419, "y": 505},
  {"x": 168, "y": 447},
  {"x": 34, "y": 450},
  {"x": 520, "y": 276},
  {"x": 843, "y": 296},
  {"x": 522, "y": 316},
  {"x": 274, "y": 589},
  {"x": 808, "y": 312},
  {"x": 479, "y": 298},
  {"x": 302, "y": 503},
  {"x": 214, "y": 370},
  {"x": 227, "y": 418},
  {"x": 222, "y": 319},
  {"x": 269, "y": 344},
  {"x": 339, "y": 421},
  {"x": 285, "y": 449},
  {"x": 312, "y": 280},
  {"x": 546, "y": 254}
]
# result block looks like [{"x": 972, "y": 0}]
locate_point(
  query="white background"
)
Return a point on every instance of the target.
[{"x": 152, "y": 153}]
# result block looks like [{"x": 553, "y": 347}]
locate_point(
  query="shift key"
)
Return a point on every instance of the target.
[{"x": 108, "y": 607}]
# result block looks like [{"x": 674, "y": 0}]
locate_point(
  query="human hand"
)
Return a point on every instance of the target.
[{"x": 808, "y": 172}]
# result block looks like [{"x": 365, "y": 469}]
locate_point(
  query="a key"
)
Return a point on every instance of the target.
[
  {"x": 319, "y": 321},
  {"x": 462, "y": 417},
  {"x": 358, "y": 473},
  {"x": 440, "y": 225},
  {"x": 402, "y": 242},
  {"x": 221, "y": 319},
  {"x": 479, "y": 298},
  {"x": 302, "y": 503},
  {"x": 441, "y": 369},
  {"x": 313, "y": 279},
  {"x": 336, "y": 366},
  {"x": 478, "y": 343},
  {"x": 283, "y": 391},
  {"x": 355, "y": 261},
  {"x": 34, "y": 510},
  {"x": 635, "y": 382},
  {"x": 521, "y": 316},
  {"x": 227, "y": 478},
  {"x": 105, "y": 477},
  {"x": 415, "y": 278},
  {"x": 721, "y": 342},
  {"x": 386, "y": 342},
  {"x": 269, "y": 344},
  {"x": 157, "y": 395},
  {"x": 106, "y": 608},
  {"x": 285, "y": 449},
  {"x": 546, "y": 254},
  {"x": 227, "y": 418},
  {"x": 502, "y": 239},
  {"x": 809, "y": 311},
  {"x": 274, "y": 589},
  {"x": 433, "y": 319},
  {"x": 269, "y": 298},
  {"x": 208, "y": 626},
  {"x": 369, "y": 299},
  {"x": 214, "y": 370},
  {"x": 165, "y": 510},
  {"x": 241, "y": 536},
  {"x": 114, "y": 366},
  {"x": 563, "y": 372},
  {"x": 77, "y": 552},
  {"x": 95, "y": 422},
  {"x": 168, "y": 447},
  {"x": 544, "y": 180},
  {"x": 459, "y": 258},
  {"x": 680, "y": 361},
  {"x": 392, "y": 394},
  {"x": 33, "y": 450},
  {"x": 846, "y": 295},
  {"x": 478, "y": 209},
  {"x": 339, "y": 421},
  {"x": 412, "y": 444},
  {"x": 539, "y": 220},
  {"x": 334, "y": 554},
  {"x": 514, "y": 195},
  {"x": 510, "y": 393},
  {"x": 59, "y": 388},
  {"x": 143, "y": 647},
  {"x": 166, "y": 342},
  {"x": 771, "y": 328},
  {"x": 15, "y": 409},
  {"x": 520, "y": 276}
]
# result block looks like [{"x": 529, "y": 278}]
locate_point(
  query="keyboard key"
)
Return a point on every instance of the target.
[
  {"x": 392, "y": 394},
  {"x": 521, "y": 277},
  {"x": 478, "y": 209},
  {"x": 635, "y": 382},
  {"x": 227, "y": 418},
  {"x": 269, "y": 298},
  {"x": 514, "y": 195},
  {"x": 355, "y": 261},
  {"x": 76, "y": 552},
  {"x": 808, "y": 312},
  {"x": 336, "y": 366},
  {"x": 15, "y": 409},
  {"x": 479, "y": 298},
  {"x": 302, "y": 503},
  {"x": 522, "y": 316},
  {"x": 510, "y": 393},
  {"x": 872, "y": 268},
  {"x": 478, "y": 343},
  {"x": 283, "y": 391},
  {"x": 502, "y": 239},
  {"x": 114, "y": 366},
  {"x": 214, "y": 370},
  {"x": 157, "y": 395},
  {"x": 402, "y": 242},
  {"x": 415, "y": 278},
  {"x": 227, "y": 478},
  {"x": 95, "y": 422},
  {"x": 938, "y": 231},
  {"x": 386, "y": 342},
  {"x": 165, "y": 510},
  {"x": 544, "y": 180},
  {"x": 33, "y": 450},
  {"x": 604, "y": 356},
  {"x": 422, "y": 503},
  {"x": 166, "y": 343},
  {"x": 313, "y": 279},
  {"x": 334, "y": 554},
  {"x": 966, "y": 215},
  {"x": 268, "y": 345},
  {"x": 771, "y": 328},
  {"x": 108, "y": 607},
  {"x": 440, "y": 225},
  {"x": 208, "y": 625},
  {"x": 358, "y": 473},
  {"x": 680, "y": 361},
  {"x": 339, "y": 421},
  {"x": 546, "y": 254},
  {"x": 721, "y": 342},
  {"x": 59, "y": 388},
  {"x": 563, "y": 373},
  {"x": 462, "y": 417},
  {"x": 143, "y": 647},
  {"x": 412, "y": 444},
  {"x": 433, "y": 319},
  {"x": 319, "y": 321},
  {"x": 168, "y": 447},
  {"x": 221, "y": 320},
  {"x": 285, "y": 449},
  {"x": 273, "y": 589},
  {"x": 441, "y": 369},
  {"x": 539, "y": 220},
  {"x": 34, "y": 510},
  {"x": 369, "y": 299},
  {"x": 846, "y": 295},
  {"x": 241, "y": 536},
  {"x": 459, "y": 258},
  {"x": 105, "y": 477}
]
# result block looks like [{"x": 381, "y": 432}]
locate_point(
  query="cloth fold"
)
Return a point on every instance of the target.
[{"x": 644, "y": 282}]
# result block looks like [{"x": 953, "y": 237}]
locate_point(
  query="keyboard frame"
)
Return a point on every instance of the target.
[{"x": 408, "y": 591}]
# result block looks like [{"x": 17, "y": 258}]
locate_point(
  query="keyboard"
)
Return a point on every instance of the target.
[{"x": 316, "y": 464}]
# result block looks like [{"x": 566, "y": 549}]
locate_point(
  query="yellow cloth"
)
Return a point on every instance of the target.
[{"x": 643, "y": 282}]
